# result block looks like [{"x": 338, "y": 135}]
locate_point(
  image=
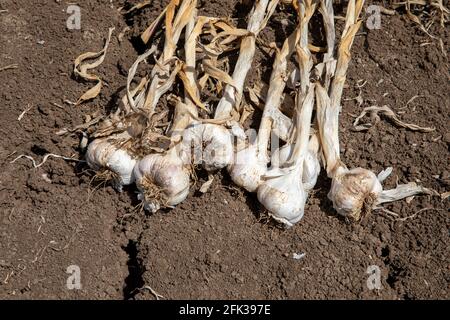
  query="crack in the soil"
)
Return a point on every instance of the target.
[{"x": 134, "y": 280}]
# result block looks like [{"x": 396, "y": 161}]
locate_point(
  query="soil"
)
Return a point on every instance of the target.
[{"x": 216, "y": 245}]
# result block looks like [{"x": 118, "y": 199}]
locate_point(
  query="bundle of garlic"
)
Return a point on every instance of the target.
[
  {"x": 283, "y": 190},
  {"x": 131, "y": 145},
  {"x": 125, "y": 135},
  {"x": 163, "y": 179},
  {"x": 213, "y": 138},
  {"x": 354, "y": 192},
  {"x": 250, "y": 163}
]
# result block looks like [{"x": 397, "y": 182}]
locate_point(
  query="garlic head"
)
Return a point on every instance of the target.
[
  {"x": 211, "y": 145},
  {"x": 354, "y": 192},
  {"x": 111, "y": 162},
  {"x": 282, "y": 193},
  {"x": 248, "y": 168},
  {"x": 311, "y": 165},
  {"x": 162, "y": 180}
]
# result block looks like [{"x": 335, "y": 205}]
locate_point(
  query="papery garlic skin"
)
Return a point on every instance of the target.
[
  {"x": 354, "y": 192},
  {"x": 311, "y": 170},
  {"x": 102, "y": 154},
  {"x": 162, "y": 180},
  {"x": 248, "y": 168},
  {"x": 283, "y": 196},
  {"x": 212, "y": 143}
]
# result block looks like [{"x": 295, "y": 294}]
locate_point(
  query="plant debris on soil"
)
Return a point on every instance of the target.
[{"x": 218, "y": 244}]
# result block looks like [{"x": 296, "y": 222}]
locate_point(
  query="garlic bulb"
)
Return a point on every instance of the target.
[
  {"x": 354, "y": 192},
  {"x": 283, "y": 195},
  {"x": 162, "y": 180},
  {"x": 212, "y": 146},
  {"x": 248, "y": 167},
  {"x": 218, "y": 152},
  {"x": 311, "y": 165},
  {"x": 105, "y": 156},
  {"x": 247, "y": 172}
]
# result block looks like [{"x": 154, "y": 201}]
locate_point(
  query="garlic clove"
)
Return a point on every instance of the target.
[
  {"x": 116, "y": 164},
  {"x": 354, "y": 192},
  {"x": 247, "y": 168},
  {"x": 283, "y": 196},
  {"x": 162, "y": 180}
]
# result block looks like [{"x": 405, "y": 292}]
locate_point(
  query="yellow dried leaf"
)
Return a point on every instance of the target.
[
  {"x": 91, "y": 93},
  {"x": 218, "y": 74},
  {"x": 81, "y": 69}
]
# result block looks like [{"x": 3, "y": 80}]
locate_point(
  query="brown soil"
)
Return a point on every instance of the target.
[{"x": 216, "y": 245}]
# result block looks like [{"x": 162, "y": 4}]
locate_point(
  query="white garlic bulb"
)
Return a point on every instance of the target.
[
  {"x": 162, "y": 180},
  {"x": 283, "y": 195},
  {"x": 354, "y": 192},
  {"x": 247, "y": 168},
  {"x": 105, "y": 156},
  {"x": 212, "y": 145}
]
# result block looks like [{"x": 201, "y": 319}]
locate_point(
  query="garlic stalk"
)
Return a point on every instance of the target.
[
  {"x": 163, "y": 180},
  {"x": 250, "y": 163},
  {"x": 162, "y": 77},
  {"x": 282, "y": 191},
  {"x": 106, "y": 155},
  {"x": 260, "y": 13},
  {"x": 354, "y": 192},
  {"x": 218, "y": 153},
  {"x": 311, "y": 165}
]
